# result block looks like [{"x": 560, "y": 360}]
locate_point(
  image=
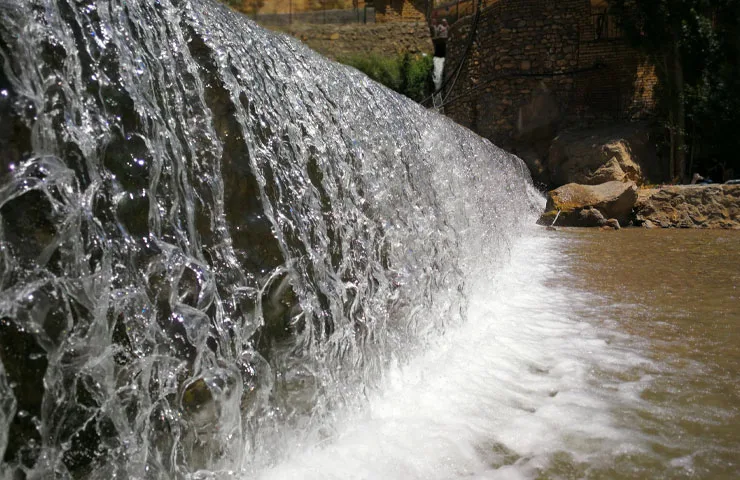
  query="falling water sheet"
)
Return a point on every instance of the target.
[{"x": 212, "y": 237}]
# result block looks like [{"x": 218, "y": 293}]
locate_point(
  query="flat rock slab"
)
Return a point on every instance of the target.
[
  {"x": 578, "y": 204},
  {"x": 690, "y": 206}
]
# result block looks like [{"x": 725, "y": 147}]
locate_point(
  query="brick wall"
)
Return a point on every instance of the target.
[
  {"x": 400, "y": 10},
  {"x": 622, "y": 89},
  {"x": 536, "y": 66}
]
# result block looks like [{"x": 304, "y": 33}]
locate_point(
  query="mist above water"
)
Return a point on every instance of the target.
[{"x": 213, "y": 238}]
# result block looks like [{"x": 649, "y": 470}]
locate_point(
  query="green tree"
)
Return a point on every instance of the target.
[
  {"x": 406, "y": 74},
  {"x": 695, "y": 46}
]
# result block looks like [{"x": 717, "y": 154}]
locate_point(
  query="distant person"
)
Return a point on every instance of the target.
[
  {"x": 699, "y": 180},
  {"x": 442, "y": 30},
  {"x": 439, "y": 38}
]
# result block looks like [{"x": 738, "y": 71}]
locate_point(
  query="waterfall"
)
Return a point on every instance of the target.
[
  {"x": 211, "y": 235},
  {"x": 439, "y": 68}
]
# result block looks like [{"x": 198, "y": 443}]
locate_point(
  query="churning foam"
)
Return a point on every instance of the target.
[{"x": 494, "y": 398}]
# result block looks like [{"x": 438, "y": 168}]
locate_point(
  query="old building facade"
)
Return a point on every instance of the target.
[{"x": 536, "y": 66}]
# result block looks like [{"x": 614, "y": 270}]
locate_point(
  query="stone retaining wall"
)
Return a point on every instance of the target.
[
  {"x": 388, "y": 39},
  {"x": 690, "y": 206},
  {"x": 401, "y": 10},
  {"x": 536, "y": 65},
  {"x": 335, "y": 17},
  {"x": 670, "y": 206}
]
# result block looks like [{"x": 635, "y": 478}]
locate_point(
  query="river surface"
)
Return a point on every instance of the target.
[{"x": 592, "y": 355}]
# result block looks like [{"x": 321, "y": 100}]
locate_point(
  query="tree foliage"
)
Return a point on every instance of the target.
[{"x": 695, "y": 45}]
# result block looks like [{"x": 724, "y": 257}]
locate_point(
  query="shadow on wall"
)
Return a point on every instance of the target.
[
  {"x": 586, "y": 101},
  {"x": 620, "y": 89},
  {"x": 591, "y": 95},
  {"x": 540, "y": 117},
  {"x": 538, "y": 122}
]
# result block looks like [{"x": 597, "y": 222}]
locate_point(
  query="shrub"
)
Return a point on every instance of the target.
[{"x": 406, "y": 74}]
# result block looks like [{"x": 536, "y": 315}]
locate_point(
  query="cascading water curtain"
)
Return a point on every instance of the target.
[{"x": 210, "y": 234}]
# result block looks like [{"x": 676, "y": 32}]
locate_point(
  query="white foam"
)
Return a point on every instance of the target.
[
  {"x": 493, "y": 399},
  {"x": 439, "y": 66}
]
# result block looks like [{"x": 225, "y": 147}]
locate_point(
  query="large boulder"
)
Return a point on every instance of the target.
[
  {"x": 690, "y": 206},
  {"x": 592, "y": 157},
  {"x": 578, "y": 205}
]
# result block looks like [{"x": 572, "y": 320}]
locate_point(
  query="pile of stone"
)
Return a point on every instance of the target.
[
  {"x": 598, "y": 172},
  {"x": 689, "y": 206},
  {"x": 601, "y": 171}
]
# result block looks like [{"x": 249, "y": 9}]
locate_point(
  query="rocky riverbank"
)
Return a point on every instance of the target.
[
  {"x": 598, "y": 178},
  {"x": 680, "y": 206},
  {"x": 689, "y": 206}
]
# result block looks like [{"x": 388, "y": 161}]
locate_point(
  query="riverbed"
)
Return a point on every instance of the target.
[{"x": 592, "y": 354}]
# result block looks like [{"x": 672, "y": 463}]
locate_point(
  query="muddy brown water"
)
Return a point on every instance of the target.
[
  {"x": 675, "y": 294},
  {"x": 591, "y": 355}
]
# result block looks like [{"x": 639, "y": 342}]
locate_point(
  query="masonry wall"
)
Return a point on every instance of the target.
[
  {"x": 535, "y": 66},
  {"x": 288, "y": 12},
  {"x": 400, "y": 10},
  {"x": 622, "y": 88},
  {"x": 388, "y": 39},
  {"x": 351, "y": 16}
]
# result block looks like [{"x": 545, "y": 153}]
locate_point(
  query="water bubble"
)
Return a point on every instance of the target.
[{"x": 209, "y": 272}]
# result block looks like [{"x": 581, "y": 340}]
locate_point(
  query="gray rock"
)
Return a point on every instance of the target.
[
  {"x": 613, "y": 223},
  {"x": 591, "y": 217}
]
